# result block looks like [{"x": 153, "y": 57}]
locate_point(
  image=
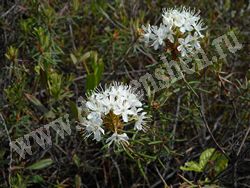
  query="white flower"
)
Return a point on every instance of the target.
[
  {"x": 191, "y": 16},
  {"x": 198, "y": 26},
  {"x": 184, "y": 19},
  {"x": 93, "y": 126},
  {"x": 189, "y": 45},
  {"x": 183, "y": 27},
  {"x": 158, "y": 37},
  {"x": 124, "y": 109},
  {"x": 140, "y": 123},
  {"x": 179, "y": 19},
  {"x": 160, "y": 34},
  {"x": 187, "y": 24},
  {"x": 118, "y": 139},
  {"x": 167, "y": 19},
  {"x": 147, "y": 33},
  {"x": 184, "y": 46},
  {"x": 94, "y": 115},
  {"x": 112, "y": 109},
  {"x": 194, "y": 42}
]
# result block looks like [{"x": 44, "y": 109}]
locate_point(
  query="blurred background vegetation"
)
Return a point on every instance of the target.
[{"x": 54, "y": 51}]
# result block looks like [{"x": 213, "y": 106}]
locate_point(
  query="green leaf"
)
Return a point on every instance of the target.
[
  {"x": 206, "y": 156},
  {"x": 78, "y": 181},
  {"x": 141, "y": 169},
  {"x": 90, "y": 82},
  {"x": 220, "y": 162},
  {"x": 73, "y": 58},
  {"x": 76, "y": 160},
  {"x": 155, "y": 142},
  {"x": 37, "y": 179},
  {"x": 73, "y": 109},
  {"x": 40, "y": 164},
  {"x": 191, "y": 166},
  {"x": 96, "y": 69}
]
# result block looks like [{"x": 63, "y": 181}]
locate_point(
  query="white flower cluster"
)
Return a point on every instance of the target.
[
  {"x": 110, "y": 109},
  {"x": 181, "y": 27}
]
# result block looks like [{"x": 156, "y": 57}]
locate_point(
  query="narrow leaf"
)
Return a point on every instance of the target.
[{"x": 40, "y": 164}]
